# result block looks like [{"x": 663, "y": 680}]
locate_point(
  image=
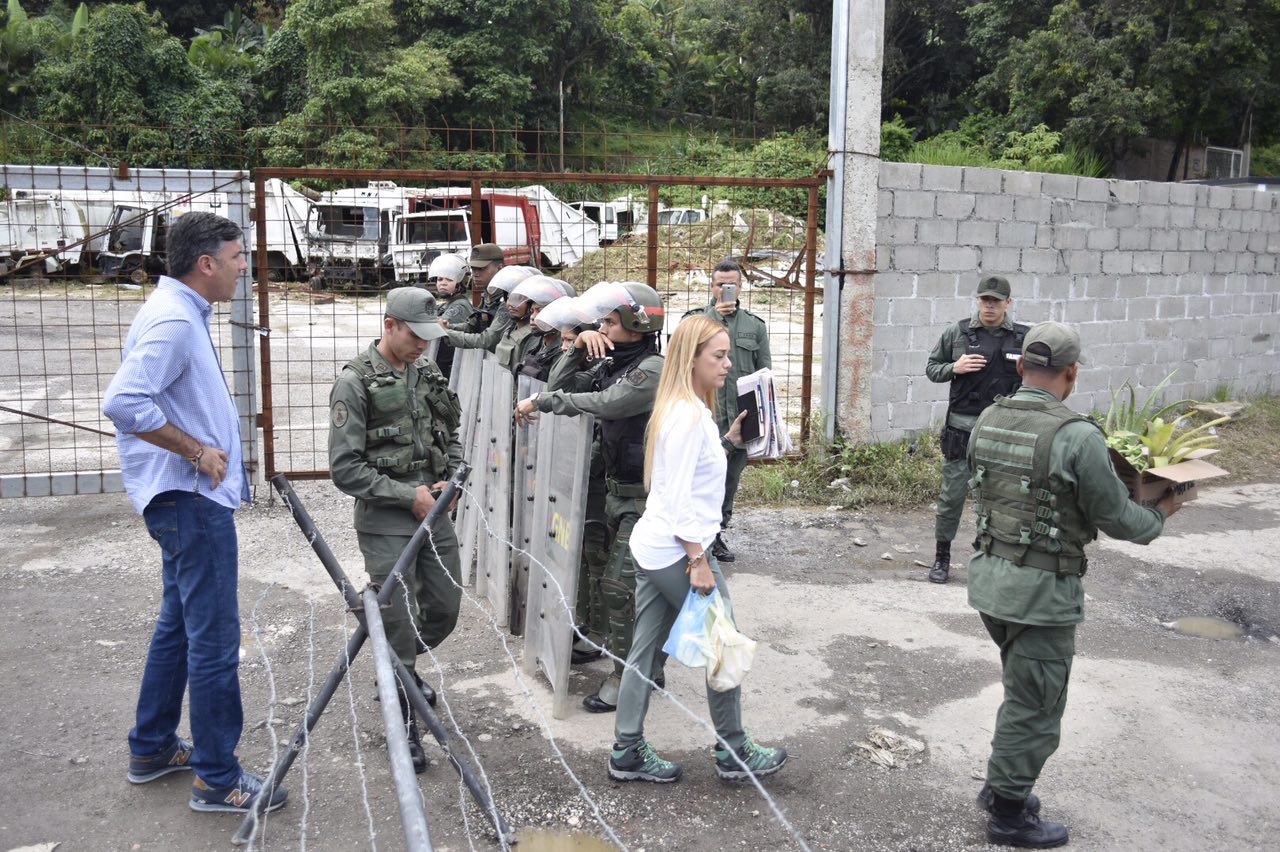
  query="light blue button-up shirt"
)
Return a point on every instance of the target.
[{"x": 170, "y": 373}]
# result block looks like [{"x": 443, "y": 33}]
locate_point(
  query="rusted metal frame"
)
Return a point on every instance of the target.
[
  {"x": 6, "y": 409},
  {"x": 296, "y": 173},
  {"x": 266, "y": 419},
  {"x": 477, "y": 227},
  {"x": 810, "y": 295},
  {"x": 651, "y": 232}
]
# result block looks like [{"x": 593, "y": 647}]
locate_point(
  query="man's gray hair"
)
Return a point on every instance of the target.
[{"x": 197, "y": 234}]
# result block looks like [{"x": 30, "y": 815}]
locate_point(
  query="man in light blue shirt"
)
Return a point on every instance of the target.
[{"x": 181, "y": 460}]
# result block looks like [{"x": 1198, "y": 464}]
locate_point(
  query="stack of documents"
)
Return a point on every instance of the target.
[{"x": 764, "y": 429}]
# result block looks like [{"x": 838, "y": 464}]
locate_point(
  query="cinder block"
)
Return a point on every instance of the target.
[
  {"x": 1101, "y": 287},
  {"x": 1220, "y": 197},
  {"x": 1117, "y": 262},
  {"x": 1265, "y": 201},
  {"x": 1102, "y": 239},
  {"x": 1237, "y": 241},
  {"x": 1044, "y": 235},
  {"x": 1083, "y": 262},
  {"x": 955, "y": 205},
  {"x": 1134, "y": 239},
  {"x": 1182, "y": 193},
  {"x": 1130, "y": 286},
  {"x": 982, "y": 180},
  {"x": 882, "y": 311},
  {"x": 1264, "y": 263},
  {"x": 1181, "y": 216},
  {"x": 899, "y": 231},
  {"x": 885, "y": 208},
  {"x": 1124, "y": 191},
  {"x": 1237, "y": 284},
  {"x": 1251, "y": 220},
  {"x": 1231, "y": 220},
  {"x": 1040, "y": 261},
  {"x": 1146, "y": 261},
  {"x": 884, "y": 258},
  {"x": 1066, "y": 237},
  {"x": 1171, "y": 307},
  {"x": 1207, "y": 218},
  {"x": 899, "y": 175},
  {"x": 1093, "y": 189},
  {"x": 1022, "y": 183},
  {"x": 1016, "y": 234},
  {"x": 1091, "y": 213},
  {"x": 957, "y": 258},
  {"x": 999, "y": 260},
  {"x": 1201, "y": 261},
  {"x": 1153, "y": 216},
  {"x": 1163, "y": 239},
  {"x": 923, "y": 258},
  {"x": 1220, "y": 306},
  {"x": 1191, "y": 240},
  {"x": 947, "y": 311},
  {"x": 942, "y": 178},
  {"x": 1060, "y": 186},
  {"x": 976, "y": 233},
  {"x": 996, "y": 208},
  {"x": 1121, "y": 215},
  {"x": 1197, "y": 306},
  {"x": 1245, "y": 262},
  {"x": 1153, "y": 192},
  {"x": 62, "y": 484},
  {"x": 1162, "y": 285},
  {"x": 1175, "y": 263},
  {"x": 1054, "y": 287},
  {"x": 1242, "y": 199},
  {"x": 892, "y": 338},
  {"x": 937, "y": 285},
  {"x": 1030, "y": 208},
  {"x": 936, "y": 232},
  {"x": 37, "y": 485},
  {"x": 1215, "y": 240},
  {"x": 911, "y": 311},
  {"x": 1081, "y": 310},
  {"x": 1189, "y": 285},
  {"x": 1257, "y": 242},
  {"x": 1112, "y": 310},
  {"x": 893, "y": 285},
  {"x": 12, "y": 485},
  {"x": 1214, "y": 284},
  {"x": 913, "y": 204}
]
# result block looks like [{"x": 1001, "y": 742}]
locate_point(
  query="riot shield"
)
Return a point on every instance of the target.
[
  {"x": 562, "y": 468},
  {"x": 466, "y": 381},
  {"x": 493, "y": 553},
  {"x": 525, "y": 479}
]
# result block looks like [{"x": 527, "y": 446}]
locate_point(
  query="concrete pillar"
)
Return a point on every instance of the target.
[{"x": 857, "y": 66}]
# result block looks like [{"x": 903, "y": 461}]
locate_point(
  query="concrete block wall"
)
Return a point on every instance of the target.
[{"x": 1155, "y": 276}]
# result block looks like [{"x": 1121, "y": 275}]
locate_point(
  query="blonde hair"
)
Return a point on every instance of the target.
[{"x": 675, "y": 385}]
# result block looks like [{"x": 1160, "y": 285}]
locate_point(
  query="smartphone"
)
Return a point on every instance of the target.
[{"x": 729, "y": 294}]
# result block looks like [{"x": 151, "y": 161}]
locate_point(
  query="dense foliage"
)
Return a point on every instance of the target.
[{"x": 1055, "y": 85}]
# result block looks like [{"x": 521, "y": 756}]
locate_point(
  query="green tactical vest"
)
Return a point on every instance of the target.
[
  {"x": 1019, "y": 517},
  {"x": 508, "y": 348},
  {"x": 407, "y": 433}
]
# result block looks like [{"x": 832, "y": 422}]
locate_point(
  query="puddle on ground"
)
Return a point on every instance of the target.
[
  {"x": 1206, "y": 627},
  {"x": 560, "y": 840}
]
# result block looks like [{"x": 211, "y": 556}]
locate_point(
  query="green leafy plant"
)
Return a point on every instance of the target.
[
  {"x": 1165, "y": 445},
  {"x": 1125, "y": 415},
  {"x": 1143, "y": 435}
]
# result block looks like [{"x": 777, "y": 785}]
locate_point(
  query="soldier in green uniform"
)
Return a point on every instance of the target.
[
  {"x": 979, "y": 357},
  {"x": 619, "y": 391},
  {"x": 505, "y": 335},
  {"x": 451, "y": 277},
  {"x": 393, "y": 444},
  {"x": 544, "y": 347},
  {"x": 1044, "y": 485},
  {"x": 487, "y": 260},
  {"x": 749, "y": 338}
]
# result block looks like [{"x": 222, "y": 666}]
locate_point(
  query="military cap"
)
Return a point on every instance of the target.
[
  {"x": 416, "y": 308},
  {"x": 485, "y": 254},
  {"x": 1051, "y": 344},
  {"x": 995, "y": 285}
]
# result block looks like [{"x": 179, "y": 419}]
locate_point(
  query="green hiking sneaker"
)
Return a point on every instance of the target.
[
  {"x": 760, "y": 760},
  {"x": 639, "y": 762}
]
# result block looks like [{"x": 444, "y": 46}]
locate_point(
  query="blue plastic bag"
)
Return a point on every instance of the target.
[{"x": 689, "y": 639}]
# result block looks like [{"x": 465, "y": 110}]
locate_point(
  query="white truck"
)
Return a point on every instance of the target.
[
  {"x": 350, "y": 232},
  {"x": 41, "y": 233},
  {"x": 604, "y": 214}
]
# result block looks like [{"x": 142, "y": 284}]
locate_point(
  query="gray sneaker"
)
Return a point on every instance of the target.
[
  {"x": 760, "y": 760},
  {"x": 639, "y": 762}
]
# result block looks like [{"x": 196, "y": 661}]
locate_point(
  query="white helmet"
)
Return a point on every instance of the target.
[
  {"x": 449, "y": 266},
  {"x": 563, "y": 315},
  {"x": 538, "y": 289},
  {"x": 506, "y": 279}
]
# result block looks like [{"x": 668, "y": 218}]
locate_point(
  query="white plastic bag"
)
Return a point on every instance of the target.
[
  {"x": 689, "y": 641},
  {"x": 730, "y": 653}
]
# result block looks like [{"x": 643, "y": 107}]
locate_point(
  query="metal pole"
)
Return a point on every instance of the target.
[
  {"x": 413, "y": 811},
  {"x": 806, "y": 370},
  {"x": 833, "y": 278},
  {"x": 265, "y": 419},
  {"x": 652, "y": 232}
]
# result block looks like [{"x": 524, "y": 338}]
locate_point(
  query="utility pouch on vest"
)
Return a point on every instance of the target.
[{"x": 954, "y": 443}]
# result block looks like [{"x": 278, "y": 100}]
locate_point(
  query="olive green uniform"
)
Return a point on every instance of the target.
[
  {"x": 506, "y": 340},
  {"x": 632, "y": 395},
  {"x": 749, "y": 342},
  {"x": 391, "y": 431},
  {"x": 1025, "y": 579},
  {"x": 955, "y": 471},
  {"x": 457, "y": 311}
]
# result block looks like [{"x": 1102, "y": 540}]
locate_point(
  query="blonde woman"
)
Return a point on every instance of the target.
[{"x": 684, "y": 469}]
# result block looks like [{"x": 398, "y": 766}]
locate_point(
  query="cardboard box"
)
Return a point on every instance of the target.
[{"x": 1146, "y": 488}]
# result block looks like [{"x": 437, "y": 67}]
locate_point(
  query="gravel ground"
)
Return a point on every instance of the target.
[{"x": 1170, "y": 741}]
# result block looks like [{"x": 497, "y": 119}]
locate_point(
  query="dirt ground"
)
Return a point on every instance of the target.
[{"x": 1169, "y": 742}]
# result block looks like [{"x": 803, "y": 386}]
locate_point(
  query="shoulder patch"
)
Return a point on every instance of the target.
[
  {"x": 636, "y": 376},
  {"x": 340, "y": 414}
]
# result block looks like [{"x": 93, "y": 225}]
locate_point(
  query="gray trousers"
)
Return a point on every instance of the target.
[
  {"x": 659, "y": 597},
  {"x": 955, "y": 486}
]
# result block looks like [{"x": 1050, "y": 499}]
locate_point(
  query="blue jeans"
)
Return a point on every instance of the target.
[{"x": 196, "y": 645}]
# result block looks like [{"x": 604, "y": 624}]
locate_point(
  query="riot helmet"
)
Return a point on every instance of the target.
[
  {"x": 539, "y": 289},
  {"x": 506, "y": 279},
  {"x": 452, "y": 267},
  {"x": 638, "y": 305}
]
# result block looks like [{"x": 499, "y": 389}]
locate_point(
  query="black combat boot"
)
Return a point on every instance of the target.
[
  {"x": 721, "y": 551},
  {"x": 1012, "y": 824},
  {"x": 987, "y": 797},
  {"x": 416, "y": 754},
  {"x": 427, "y": 692},
  {"x": 941, "y": 570}
]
